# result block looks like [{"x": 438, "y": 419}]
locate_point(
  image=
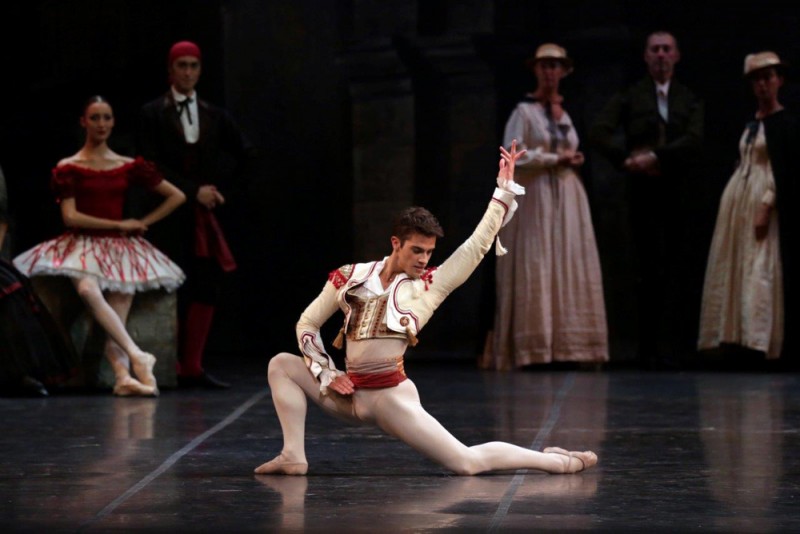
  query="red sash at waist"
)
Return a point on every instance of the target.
[
  {"x": 210, "y": 241},
  {"x": 377, "y": 380}
]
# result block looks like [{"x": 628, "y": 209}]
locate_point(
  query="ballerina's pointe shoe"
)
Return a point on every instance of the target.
[
  {"x": 143, "y": 369},
  {"x": 585, "y": 459},
  {"x": 279, "y": 466},
  {"x": 130, "y": 387}
]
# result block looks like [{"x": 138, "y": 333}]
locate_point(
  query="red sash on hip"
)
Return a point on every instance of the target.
[
  {"x": 210, "y": 241},
  {"x": 377, "y": 380}
]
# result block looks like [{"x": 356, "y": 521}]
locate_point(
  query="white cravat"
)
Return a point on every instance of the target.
[
  {"x": 662, "y": 90},
  {"x": 190, "y": 119}
]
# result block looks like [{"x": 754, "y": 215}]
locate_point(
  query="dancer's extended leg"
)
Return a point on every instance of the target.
[
  {"x": 101, "y": 310},
  {"x": 290, "y": 382},
  {"x": 399, "y": 412}
]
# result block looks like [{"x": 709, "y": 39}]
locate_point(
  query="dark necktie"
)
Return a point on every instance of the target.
[{"x": 184, "y": 105}]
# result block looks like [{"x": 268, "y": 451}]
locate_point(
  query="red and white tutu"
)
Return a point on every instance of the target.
[{"x": 123, "y": 264}]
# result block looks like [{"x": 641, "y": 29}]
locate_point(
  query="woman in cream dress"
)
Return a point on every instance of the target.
[
  {"x": 743, "y": 291},
  {"x": 550, "y": 305}
]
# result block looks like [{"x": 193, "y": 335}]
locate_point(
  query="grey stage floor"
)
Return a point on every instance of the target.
[{"x": 679, "y": 451}]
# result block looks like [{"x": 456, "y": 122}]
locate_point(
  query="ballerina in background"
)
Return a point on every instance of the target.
[{"x": 105, "y": 255}]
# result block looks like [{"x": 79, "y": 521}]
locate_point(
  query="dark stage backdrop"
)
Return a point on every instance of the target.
[{"x": 362, "y": 107}]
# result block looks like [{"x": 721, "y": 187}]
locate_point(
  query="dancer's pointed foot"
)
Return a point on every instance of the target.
[
  {"x": 143, "y": 364},
  {"x": 280, "y": 466},
  {"x": 130, "y": 387},
  {"x": 577, "y": 461}
]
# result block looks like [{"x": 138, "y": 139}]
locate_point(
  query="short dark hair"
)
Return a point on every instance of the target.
[{"x": 416, "y": 220}]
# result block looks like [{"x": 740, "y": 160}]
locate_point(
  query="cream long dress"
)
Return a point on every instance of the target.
[
  {"x": 550, "y": 304},
  {"x": 743, "y": 290}
]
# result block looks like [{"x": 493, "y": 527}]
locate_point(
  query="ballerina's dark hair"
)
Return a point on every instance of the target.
[{"x": 96, "y": 99}]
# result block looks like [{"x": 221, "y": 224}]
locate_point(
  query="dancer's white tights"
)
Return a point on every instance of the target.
[
  {"x": 120, "y": 303},
  {"x": 111, "y": 317},
  {"x": 398, "y": 412}
]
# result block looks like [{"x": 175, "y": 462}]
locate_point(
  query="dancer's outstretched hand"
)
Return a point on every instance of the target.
[{"x": 508, "y": 160}]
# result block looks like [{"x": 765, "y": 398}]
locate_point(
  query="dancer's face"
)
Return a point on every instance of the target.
[
  {"x": 414, "y": 253},
  {"x": 98, "y": 120},
  {"x": 185, "y": 73}
]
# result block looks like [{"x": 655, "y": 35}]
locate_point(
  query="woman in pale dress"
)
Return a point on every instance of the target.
[
  {"x": 743, "y": 303},
  {"x": 550, "y": 305}
]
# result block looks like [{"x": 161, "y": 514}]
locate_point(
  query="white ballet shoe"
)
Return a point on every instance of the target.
[
  {"x": 279, "y": 466},
  {"x": 143, "y": 365},
  {"x": 130, "y": 387},
  {"x": 586, "y": 459}
]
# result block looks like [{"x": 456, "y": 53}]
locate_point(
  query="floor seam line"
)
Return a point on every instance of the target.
[
  {"x": 173, "y": 459},
  {"x": 555, "y": 412}
]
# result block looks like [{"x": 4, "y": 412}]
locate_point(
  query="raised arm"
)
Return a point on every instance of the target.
[{"x": 460, "y": 265}]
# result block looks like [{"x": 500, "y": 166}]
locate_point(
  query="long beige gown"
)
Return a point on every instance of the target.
[
  {"x": 743, "y": 290},
  {"x": 550, "y": 304}
]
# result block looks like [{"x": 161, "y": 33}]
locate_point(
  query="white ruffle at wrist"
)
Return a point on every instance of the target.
[{"x": 508, "y": 189}]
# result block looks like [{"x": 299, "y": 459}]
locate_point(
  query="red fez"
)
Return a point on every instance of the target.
[{"x": 183, "y": 48}]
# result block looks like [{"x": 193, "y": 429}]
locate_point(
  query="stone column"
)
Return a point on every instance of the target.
[
  {"x": 455, "y": 170},
  {"x": 383, "y": 133}
]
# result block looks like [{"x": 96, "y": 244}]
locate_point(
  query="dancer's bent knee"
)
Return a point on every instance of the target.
[{"x": 280, "y": 363}]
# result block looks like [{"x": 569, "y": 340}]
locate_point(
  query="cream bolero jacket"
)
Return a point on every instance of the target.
[{"x": 411, "y": 301}]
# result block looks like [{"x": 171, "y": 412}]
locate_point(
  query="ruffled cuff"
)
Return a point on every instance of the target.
[
  {"x": 505, "y": 194},
  {"x": 508, "y": 189},
  {"x": 325, "y": 378},
  {"x": 317, "y": 360}
]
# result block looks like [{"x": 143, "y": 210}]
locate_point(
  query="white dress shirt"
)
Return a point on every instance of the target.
[
  {"x": 662, "y": 97},
  {"x": 190, "y": 119}
]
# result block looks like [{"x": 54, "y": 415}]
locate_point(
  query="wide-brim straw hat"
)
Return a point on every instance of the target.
[
  {"x": 762, "y": 60},
  {"x": 551, "y": 51}
]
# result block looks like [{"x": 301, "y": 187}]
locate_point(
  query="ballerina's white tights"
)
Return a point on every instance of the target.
[
  {"x": 398, "y": 412},
  {"x": 111, "y": 312}
]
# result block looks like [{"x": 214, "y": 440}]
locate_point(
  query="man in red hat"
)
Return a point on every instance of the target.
[{"x": 189, "y": 139}]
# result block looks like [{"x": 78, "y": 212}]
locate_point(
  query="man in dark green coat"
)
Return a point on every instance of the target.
[{"x": 661, "y": 122}]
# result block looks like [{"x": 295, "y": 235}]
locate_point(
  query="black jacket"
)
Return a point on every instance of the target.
[
  {"x": 222, "y": 156},
  {"x": 635, "y": 111}
]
